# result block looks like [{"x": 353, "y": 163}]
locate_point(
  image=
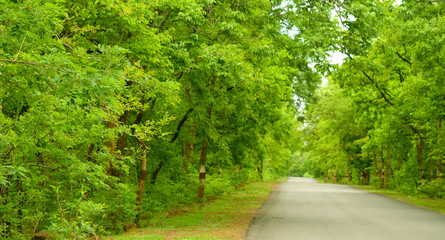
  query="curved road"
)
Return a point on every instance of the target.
[{"x": 303, "y": 209}]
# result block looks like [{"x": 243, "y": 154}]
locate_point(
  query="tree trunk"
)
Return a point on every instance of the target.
[
  {"x": 187, "y": 150},
  {"x": 141, "y": 182},
  {"x": 368, "y": 177},
  {"x": 387, "y": 170},
  {"x": 155, "y": 174},
  {"x": 376, "y": 166},
  {"x": 431, "y": 168},
  {"x": 420, "y": 146},
  {"x": 439, "y": 154},
  {"x": 399, "y": 163},
  {"x": 347, "y": 170},
  {"x": 121, "y": 143},
  {"x": 202, "y": 169},
  {"x": 260, "y": 169},
  {"x": 335, "y": 174},
  {"x": 110, "y": 169},
  {"x": 4, "y": 191},
  {"x": 326, "y": 176},
  {"x": 205, "y": 143}
]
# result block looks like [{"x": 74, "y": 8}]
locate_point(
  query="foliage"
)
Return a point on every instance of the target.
[
  {"x": 112, "y": 111},
  {"x": 225, "y": 217},
  {"x": 380, "y": 117}
]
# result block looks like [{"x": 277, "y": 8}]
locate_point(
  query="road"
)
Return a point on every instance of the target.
[{"x": 303, "y": 209}]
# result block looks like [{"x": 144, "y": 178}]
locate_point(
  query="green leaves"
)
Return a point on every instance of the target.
[{"x": 88, "y": 89}]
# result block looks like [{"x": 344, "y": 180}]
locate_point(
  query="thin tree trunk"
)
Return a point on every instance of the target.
[
  {"x": 187, "y": 150},
  {"x": 420, "y": 146},
  {"x": 439, "y": 154},
  {"x": 141, "y": 182},
  {"x": 20, "y": 203},
  {"x": 202, "y": 169},
  {"x": 399, "y": 163},
  {"x": 387, "y": 169},
  {"x": 121, "y": 143},
  {"x": 368, "y": 177},
  {"x": 155, "y": 174},
  {"x": 347, "y": 170},
  {"x": 260, "y": 169},
  {"x": 111, "y": 170},
  {"x": 335, "y": 174},
  {"x": 431, "y": 168},
  {"x": 205, "y": 143},
  {"x": 326, "y": 176},
  {"x": 376, "y": 166},
  {"x": 439, "y": 164},
  {"x": 188, "y": 145}
]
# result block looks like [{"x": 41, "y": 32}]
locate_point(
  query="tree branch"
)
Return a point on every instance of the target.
[
  {"x": 28, "y": 63},
  {"x": 404, "y": 59},
  {"x": 378, "y": 89},
  {"x": 178, "y": 129},
  {"x": 166, "y": 16}
]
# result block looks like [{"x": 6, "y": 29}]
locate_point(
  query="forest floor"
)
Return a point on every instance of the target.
[
  {"x": 435, "y": 204},
  {"x": 227, "y": 217}
]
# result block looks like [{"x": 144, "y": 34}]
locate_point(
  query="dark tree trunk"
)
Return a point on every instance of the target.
[
  {"x": 155, "y": 174},
  {"x": 111, "y": 170},
  {"x": 141, "y": 184},
  {"x": 122, "y": 140},
  {"x": 387, "y": 170},
  {"x": 376, "y": 166},
  {"x": 260, "y": 169},
  {"x": 420, "y": 145},
  {"x": 399, "y": 163},
  {"x": 439, "y": 154},
  {"x": 202, "y": 169},
  {"x": 439, "y": 164},
  {"x": 431, "y": 168},
  {"x": 347, "y": 170}
]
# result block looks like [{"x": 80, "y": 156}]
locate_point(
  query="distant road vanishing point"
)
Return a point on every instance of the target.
[{"x": 301, "y": 208}]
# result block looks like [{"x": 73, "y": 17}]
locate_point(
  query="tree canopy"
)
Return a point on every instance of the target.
[
  {"x": 112, "y": 111},
  {"x": 388, "y": 97}
]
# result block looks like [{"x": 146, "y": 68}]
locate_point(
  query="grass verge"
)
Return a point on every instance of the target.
[
  {"x": 436, "y": 204},
  {"x": 227, "y": 217}
]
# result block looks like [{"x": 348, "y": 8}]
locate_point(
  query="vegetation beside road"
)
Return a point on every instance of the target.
[
  {"x": 223, "y": 218},
  {"x": 435, "y": 204}
]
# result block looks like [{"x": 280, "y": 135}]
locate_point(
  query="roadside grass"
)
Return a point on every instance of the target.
[
  {"x": 227, "y": 217},
  {"x": 435, "y": 204}
]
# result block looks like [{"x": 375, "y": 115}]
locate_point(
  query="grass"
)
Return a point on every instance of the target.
[
  {"x": 224, "y": 218},
  {"x": 436, "y": 204}
]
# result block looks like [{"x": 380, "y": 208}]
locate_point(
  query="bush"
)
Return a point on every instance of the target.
[
  {"x": 433, "y": 189},
  {"x": 218, "y": 186},
  {"x": 307, "y": 175}
]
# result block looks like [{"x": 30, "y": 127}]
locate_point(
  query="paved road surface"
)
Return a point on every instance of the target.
[{"x": 304, "y": 209}]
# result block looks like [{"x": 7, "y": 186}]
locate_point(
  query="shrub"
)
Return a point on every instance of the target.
[{"x": 433, "y": 189}]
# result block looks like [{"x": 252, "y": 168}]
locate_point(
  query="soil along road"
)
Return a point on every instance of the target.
[{"x": 303, "y": 209}]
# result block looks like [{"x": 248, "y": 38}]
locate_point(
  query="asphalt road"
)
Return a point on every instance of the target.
[{"x": 304, "y": 209}]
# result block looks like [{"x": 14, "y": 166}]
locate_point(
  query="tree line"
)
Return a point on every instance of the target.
[
  {"x": 112, "y": 111},
  {"x": 380, "y": 118}
]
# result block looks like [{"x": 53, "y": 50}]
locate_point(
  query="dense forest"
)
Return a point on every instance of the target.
[
  {"x": 380, "y": 117},
  {"x": 115, "y": 110}
]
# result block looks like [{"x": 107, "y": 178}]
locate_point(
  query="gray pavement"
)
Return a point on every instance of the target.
[{"x": 303, "y": 209}]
